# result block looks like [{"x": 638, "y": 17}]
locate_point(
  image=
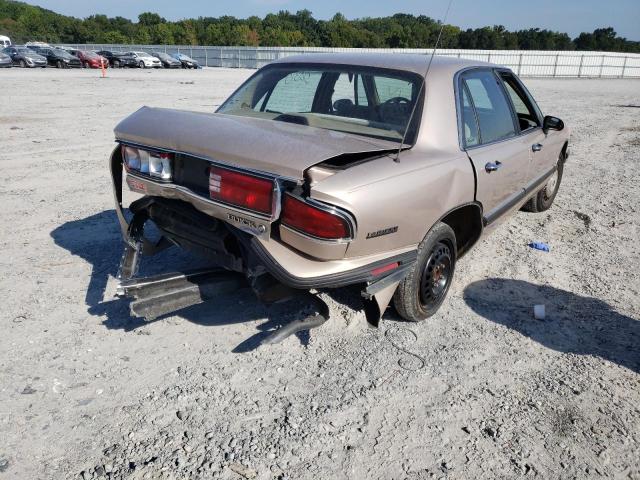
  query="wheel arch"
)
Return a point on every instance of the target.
[{"x": 466, "y": 222}]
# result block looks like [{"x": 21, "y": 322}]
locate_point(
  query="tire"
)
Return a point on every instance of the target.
[
  {"x": 59, "y": 64},
  {"x": 543, "y": 200},
  {"x": 422, "y": 292},
  {"x": 23, "y": 64},
  {"x": 116, "y": 64},
  {"x": 85, "y": 65},
  {"x": 141, "y": 65}
]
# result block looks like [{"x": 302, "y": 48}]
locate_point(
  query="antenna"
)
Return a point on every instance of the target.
[{"x": 422, "y": 85}]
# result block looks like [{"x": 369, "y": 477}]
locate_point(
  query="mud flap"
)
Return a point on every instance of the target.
[
  {"x": 376, "y": 304},
  {"x": 378, "y": 294}
]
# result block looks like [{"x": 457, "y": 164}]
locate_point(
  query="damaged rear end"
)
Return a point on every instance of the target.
[{"x": 243, "y": 194}]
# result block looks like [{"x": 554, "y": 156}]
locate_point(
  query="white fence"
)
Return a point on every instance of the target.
[{"x": 528, "y": 63}]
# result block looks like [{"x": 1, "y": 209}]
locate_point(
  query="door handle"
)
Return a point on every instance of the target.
[
  {"x": 536, "y": 147},
  {"x": 492, "y": 166}
]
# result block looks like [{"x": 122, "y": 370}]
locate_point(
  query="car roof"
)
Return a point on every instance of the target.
[{"x": 410, "y": 62}]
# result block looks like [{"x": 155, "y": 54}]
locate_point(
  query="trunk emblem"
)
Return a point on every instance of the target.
[{"x": 384, "y": 231}]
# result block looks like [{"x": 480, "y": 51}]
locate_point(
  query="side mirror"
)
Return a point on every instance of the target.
[{"x": 552, "y": 123}]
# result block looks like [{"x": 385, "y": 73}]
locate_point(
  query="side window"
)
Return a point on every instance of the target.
[
  {"x": 469, "y": 121},
  {"x": 527, "y": 115},
  {"x": 293, "y": 94},
  {"x": 492, "y": 109}
]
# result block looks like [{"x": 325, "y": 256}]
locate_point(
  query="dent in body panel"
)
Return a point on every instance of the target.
[{"x": 411, "y": 195}]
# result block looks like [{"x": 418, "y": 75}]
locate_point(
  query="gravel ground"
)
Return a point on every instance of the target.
[{"x": 482, "y": 390}]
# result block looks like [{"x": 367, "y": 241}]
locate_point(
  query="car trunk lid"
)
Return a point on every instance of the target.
[{"x": 268, "y": 146}]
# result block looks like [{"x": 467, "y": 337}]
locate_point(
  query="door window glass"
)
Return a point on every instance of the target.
[
  {"x": 492, "y": 108},
  {"x": 527, "y": 115}
]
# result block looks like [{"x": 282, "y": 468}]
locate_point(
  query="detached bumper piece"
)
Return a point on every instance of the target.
[{"x": 153, "y": 297}]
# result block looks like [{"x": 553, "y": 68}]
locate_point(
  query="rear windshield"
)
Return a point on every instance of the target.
[{"x": 359, "y": 100}]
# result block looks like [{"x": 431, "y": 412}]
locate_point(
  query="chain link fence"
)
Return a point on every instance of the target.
[{"x": 527, "y": 63}]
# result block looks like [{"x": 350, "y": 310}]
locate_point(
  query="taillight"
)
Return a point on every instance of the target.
[
  {"x": 241, "y": 190},
  {"x": 313, "y": 221},
  {"x": 155, "y": 164}
]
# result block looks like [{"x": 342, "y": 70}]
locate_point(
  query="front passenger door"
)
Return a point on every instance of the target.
[
  {"x": 529, "y": 120},
  {"x": 490, "y": 136}
]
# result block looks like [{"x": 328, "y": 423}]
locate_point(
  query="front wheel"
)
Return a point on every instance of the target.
[
  {"x": 544, "y": 198},
  {"x": 85, "y": 65},
  {"x": 422, "y": 292},
  {"x": 59, "y": 64},
  {"x": 23, "y": 64},
  {"x": 141, "y": 64}
]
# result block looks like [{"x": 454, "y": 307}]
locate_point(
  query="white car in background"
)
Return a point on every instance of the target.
[{"x": 146, "y": 60}]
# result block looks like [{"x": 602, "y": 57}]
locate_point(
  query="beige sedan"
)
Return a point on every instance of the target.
[{"x": 326, "y": 170}]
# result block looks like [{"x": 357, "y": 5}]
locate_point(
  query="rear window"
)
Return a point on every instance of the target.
[{"x": 360, "y": 100}]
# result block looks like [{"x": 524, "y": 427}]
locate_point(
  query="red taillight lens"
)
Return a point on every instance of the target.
[
  {"x": 246, "y": 191},
  {"x": 313, "y": 221}
]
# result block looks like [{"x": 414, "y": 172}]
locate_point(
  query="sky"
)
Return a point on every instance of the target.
[{"x": 571, "y": 16}]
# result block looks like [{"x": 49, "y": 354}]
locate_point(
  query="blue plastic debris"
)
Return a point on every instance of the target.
[{"x": 540, "y": 246}]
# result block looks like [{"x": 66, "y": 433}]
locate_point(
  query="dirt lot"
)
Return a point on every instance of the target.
[{"x": 480, "y": 391}]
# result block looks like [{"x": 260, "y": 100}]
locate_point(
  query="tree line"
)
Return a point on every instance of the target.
[{"x": 23, "y": 22}]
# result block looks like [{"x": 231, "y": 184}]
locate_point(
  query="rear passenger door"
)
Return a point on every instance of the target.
[{"x": 490, "y": 137}]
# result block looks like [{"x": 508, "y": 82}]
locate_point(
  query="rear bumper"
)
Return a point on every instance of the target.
[{"x": 287, "y": 265}]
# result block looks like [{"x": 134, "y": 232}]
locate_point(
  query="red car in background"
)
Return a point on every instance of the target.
[{"x": 90, "y": 59}]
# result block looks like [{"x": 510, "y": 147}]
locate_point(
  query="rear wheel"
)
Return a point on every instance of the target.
[
  {"x": 422, "y": 292},
  {"x": 23, "y": 64},
  {"x": 85, "y": 65},
  {"x": 544, "y": 198},
  {"x": 116, "y": 64}
]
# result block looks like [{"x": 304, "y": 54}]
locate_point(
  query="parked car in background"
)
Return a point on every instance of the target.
[
  {"x": 328, "y": 170},
  {"x": 59, "y": 58},
  {"x": 187, "y": 62},
  {"x": 25, "y": 57},
  {"x": 91, "y": 59},
  {"x": 36, "y": 45},
  {"x": 5, "y": 60},
  {"x": 167, "y": 60},
  {"x": 4, "y": 41},
  {"x": 145, "y": 60},
  {"x": 118, "y": 59}
]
